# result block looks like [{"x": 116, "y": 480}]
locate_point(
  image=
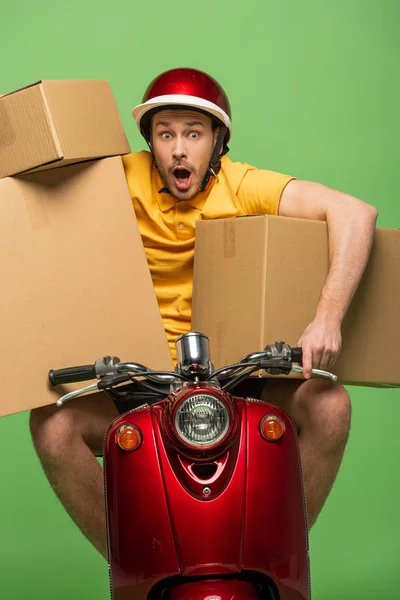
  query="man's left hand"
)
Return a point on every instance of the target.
[{"x": 321, "y": 343}]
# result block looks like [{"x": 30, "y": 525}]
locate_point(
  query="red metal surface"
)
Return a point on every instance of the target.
[
  {"x": 275, "y": 533},
  {"x": 161, "y": 523},
  {"x": 141, "y": 544},
  {"x": 187, "y": 472},
  {"x": 208, "y": 531},
  {"x": 215, "y": 590}
]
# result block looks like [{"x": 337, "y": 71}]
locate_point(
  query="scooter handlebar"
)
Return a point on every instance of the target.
[
  {"x": 112, "y": 366},
  {"x": 72, "y": 374},
  {"x": 297, "y": 355}
]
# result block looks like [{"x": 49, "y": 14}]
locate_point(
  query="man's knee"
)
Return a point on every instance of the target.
[
  {"x": 50, "y": 427},
  {"x": 84, "y": 419},
  {"x": 326, "y": 408}
]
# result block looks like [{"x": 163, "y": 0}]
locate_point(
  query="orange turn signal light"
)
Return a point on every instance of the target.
[
  {"x": 272, "y": 428},
  {"x": 129, "y": 437}
]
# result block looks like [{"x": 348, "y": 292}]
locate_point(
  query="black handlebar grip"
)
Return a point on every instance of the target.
[
  {"x": 297, "y": 355},
  {"x": 72, "y": 374}
]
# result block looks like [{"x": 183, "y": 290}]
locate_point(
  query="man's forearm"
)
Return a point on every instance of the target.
[
  {"x": 350, "y": 237},
  {"x": 351, "y": 226}
]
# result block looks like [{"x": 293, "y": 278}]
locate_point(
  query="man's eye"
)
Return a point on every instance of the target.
[
  {"x": 166, "y": 136},
  {"x": 193, "y": 135}
]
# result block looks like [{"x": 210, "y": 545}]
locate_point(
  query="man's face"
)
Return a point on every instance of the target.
[{"x": 182, "y": 143}]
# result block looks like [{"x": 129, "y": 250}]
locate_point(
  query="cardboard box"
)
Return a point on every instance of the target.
[
  {"x": 258, "y": 280},
  {"x": 75, "y": 285},
  {"x": 54, "y": 123}
]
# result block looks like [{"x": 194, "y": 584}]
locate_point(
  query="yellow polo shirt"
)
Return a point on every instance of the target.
[{"x": 167, "y": 226}]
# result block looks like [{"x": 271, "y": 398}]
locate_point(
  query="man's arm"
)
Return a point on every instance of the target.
[{"x": 351, "y": 227}]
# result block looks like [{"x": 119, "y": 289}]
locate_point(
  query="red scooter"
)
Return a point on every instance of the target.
[{"x": 204, "y": 491}]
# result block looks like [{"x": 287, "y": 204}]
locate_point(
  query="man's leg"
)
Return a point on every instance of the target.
[
  {"x": 66, "y": 440},
  {"x": 321, "y": 411}
]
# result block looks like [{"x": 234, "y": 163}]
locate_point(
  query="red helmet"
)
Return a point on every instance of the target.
[{"x": 184, "y": 87}]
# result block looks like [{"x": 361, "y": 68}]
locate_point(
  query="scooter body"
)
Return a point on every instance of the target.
[
  {"x": 223, "y": 524},
  {"x": 204, "y": 490}
]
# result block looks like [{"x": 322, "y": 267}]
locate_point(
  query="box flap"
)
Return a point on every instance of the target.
[{"x": 25, "y": 87}]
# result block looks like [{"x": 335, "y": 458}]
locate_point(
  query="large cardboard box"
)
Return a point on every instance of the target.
[
  {"x": 75, "y": 284},
  {"x": 258, "y": 280},
  {"x": 55, "y": 123}
]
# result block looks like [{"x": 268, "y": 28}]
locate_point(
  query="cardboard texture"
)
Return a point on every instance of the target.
[
  {"x": 75, "y": 285},
  {"x": 258, "y": 279},
  {"x": 54, "y": 123}
]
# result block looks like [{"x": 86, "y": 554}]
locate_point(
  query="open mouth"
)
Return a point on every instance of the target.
[{"x": 182, "y": 177}]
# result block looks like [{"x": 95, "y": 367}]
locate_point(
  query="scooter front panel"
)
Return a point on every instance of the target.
[
  {"x": 141, "y": 542},
  {"x": 208, "y": 533},
  {"x": 275, "y": 531}
]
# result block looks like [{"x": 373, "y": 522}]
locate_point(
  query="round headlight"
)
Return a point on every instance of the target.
[{"x": 202, "y": 420}]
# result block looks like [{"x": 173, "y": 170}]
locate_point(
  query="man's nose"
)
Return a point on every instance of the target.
[{"x": 179, "y": 150}]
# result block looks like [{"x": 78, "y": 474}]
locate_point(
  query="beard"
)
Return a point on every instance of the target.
[{"x": 197, "y": 176}]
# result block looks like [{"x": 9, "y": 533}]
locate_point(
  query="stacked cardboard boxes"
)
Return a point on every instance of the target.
[{"x": 75, "y": 284}]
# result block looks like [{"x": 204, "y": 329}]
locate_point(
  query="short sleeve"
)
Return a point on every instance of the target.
[{"x": 260, "y": 191}]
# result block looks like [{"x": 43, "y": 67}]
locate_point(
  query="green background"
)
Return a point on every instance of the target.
[{"x": 314, "y": 93}]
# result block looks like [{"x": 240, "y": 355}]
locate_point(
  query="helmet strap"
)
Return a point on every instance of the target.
[{"x": 215, "y": 162}]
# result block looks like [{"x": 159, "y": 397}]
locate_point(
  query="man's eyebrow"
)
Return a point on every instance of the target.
[{"x": 188, "y": 124}]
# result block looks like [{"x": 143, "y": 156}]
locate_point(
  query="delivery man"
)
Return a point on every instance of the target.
[{"x": 186, "y": 175}]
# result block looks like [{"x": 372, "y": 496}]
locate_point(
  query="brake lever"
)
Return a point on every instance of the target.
[
  {"x": 319, "y": 372},
  {"x": 283, "y": 367},
  {"x": 90, "y": 388}
]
